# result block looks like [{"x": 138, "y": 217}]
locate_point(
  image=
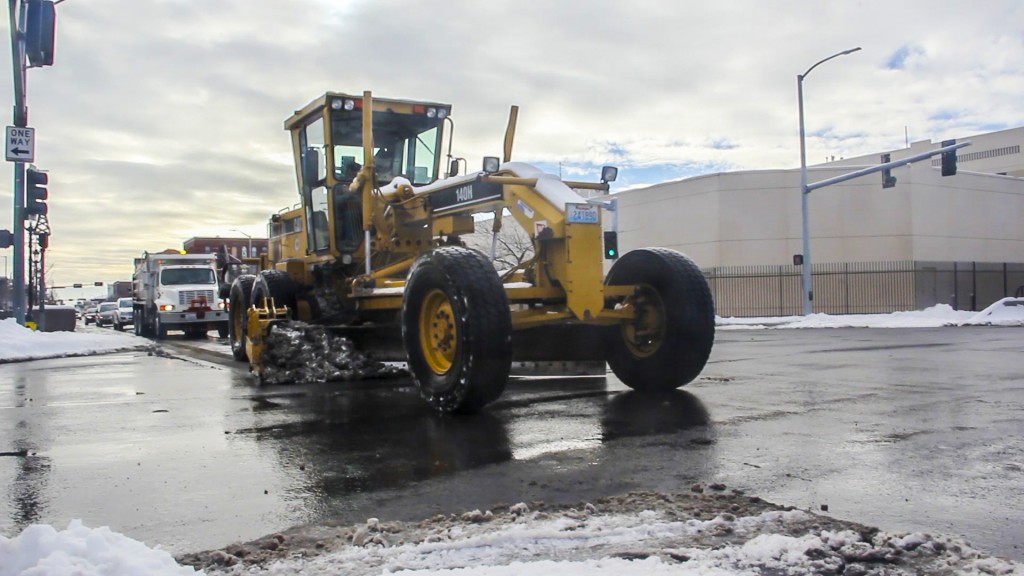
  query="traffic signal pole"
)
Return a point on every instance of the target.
[{"x": 21, "y": 121}]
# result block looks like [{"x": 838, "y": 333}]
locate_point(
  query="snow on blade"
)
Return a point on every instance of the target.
[{"x": 298, "y": 352}]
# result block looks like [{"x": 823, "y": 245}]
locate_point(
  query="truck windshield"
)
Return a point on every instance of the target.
[
  {"x": 174, "y": 276},
  {"x": 404, "y": 145}
]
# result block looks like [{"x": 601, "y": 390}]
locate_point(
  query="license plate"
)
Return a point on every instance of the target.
[{"x": 582, "y": 214}]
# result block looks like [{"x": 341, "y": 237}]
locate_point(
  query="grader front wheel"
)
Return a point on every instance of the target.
[
  {"x": 457, "y": 329},
  {"x": 668, "y": 342},
  {"x": 238, "y": 314}
]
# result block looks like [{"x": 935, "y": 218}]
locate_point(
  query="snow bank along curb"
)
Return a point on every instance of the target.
[
  {"x": 18, "y": 343},
  {"x": 639, "y": 533},
  {"x": 1006, "y": 312}
]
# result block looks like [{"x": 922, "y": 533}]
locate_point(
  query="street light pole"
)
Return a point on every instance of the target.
[
  {"x": 247, "y": 236},
  {"x": 808, "y": 289}
]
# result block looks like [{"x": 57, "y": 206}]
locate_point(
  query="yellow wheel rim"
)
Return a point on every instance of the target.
[
  {"x": 438, "y": 333},
  {"x": 645, "y": 334}
]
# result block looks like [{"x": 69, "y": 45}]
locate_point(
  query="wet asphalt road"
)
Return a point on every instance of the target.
[{"x": 902, "y": 429}]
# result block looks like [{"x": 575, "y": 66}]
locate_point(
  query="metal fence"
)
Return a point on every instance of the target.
[{"x": 862, "y": 287}]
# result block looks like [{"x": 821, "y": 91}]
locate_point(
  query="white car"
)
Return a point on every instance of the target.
[{"x": 124, "y": 314}]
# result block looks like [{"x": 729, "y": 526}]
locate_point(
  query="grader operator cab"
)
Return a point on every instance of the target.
[{"x": 374, "y": 252}]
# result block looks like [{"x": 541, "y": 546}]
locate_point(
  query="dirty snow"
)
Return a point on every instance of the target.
[
  {"x": 637, "y": 534},
  {"x": 20, "y": 343}
]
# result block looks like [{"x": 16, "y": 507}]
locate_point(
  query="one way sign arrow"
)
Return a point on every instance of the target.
[{"x": 21, "y": 144}]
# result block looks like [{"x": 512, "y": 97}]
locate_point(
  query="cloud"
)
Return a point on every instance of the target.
[{"x": 164, "y": 119}]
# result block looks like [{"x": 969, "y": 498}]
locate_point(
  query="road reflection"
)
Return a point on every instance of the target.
[
  {"x": 645, "y": 414},
  {"x": 26, "y": 502},
  {"x": 345, "y": 438}
]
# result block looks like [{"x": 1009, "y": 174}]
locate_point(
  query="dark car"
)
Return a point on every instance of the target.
[
  {"x": 105, "y": 314},
  {"x": 89, "y": 315}
]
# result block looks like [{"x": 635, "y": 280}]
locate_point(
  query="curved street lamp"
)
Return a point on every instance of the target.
[
  {"x": 808, "y": 295},
  {"x": 247, "y": 236}
]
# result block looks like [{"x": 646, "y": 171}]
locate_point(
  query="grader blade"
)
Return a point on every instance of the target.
[
  {"x": 560, "y": 350},
  {"x": 261, "y": 321}
]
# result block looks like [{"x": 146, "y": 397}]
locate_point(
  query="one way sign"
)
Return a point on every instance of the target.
[{"x": 21, "y": 144}]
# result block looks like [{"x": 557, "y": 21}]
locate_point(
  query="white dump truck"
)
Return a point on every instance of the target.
[{"x": 175, "y": 291}]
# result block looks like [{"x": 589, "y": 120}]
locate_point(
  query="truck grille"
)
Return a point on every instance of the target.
[{"x": 185, "y": 297}]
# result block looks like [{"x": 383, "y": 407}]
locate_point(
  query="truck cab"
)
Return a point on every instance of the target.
[{"x": 177, "y": 292}]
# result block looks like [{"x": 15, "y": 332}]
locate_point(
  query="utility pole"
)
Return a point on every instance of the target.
[
  {"x": 20, "y": 121},
  {"x": 32, "y": 25}
]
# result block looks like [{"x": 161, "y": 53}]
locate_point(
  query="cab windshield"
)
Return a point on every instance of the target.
[
  {"x": 405, "y": 145},
  {"x": 177, "y": 276}
]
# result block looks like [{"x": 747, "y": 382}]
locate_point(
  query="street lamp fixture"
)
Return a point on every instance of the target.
[
  {"x": 247, "y": 236},
  {"x": 808, "y": 289}
]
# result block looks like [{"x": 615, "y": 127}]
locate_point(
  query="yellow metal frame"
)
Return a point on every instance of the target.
[{"x": 566, "y": 273}]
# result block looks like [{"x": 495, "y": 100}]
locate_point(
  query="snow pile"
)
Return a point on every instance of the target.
[
  {"x": 41, "y": 550},
  {"x": 20, "y": 343},
  {"x": 641, "y": 534},
  {"x": 1006, "y": 312},
  {"x": 586, "y": 542}
]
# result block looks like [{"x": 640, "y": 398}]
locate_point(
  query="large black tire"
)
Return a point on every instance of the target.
[
  {"x": 222, "y": 330},
  {"x": 457, "y": 330},
  {"x": 238, "y": 314},
  {"x": 137, "y": 322},
  {"x": 277, "y": 285},
  {"x": 669, "y": 342},
  {"x": 159, "y": 329}
]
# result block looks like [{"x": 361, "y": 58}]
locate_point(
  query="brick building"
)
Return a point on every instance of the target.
[{"x": 237, "y": 247}]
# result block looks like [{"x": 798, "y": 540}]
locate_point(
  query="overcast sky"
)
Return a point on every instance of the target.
[{"x": 163, "y": 119}]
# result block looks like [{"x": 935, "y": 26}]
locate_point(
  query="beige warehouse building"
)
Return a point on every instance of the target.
[{"x": 929, "y": 239}]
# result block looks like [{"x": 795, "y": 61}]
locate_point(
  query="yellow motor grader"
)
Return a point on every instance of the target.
[{"x": 374, "y": 251}]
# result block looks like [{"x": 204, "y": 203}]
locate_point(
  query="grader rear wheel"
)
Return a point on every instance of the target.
[
  {"x": 669, "y": 340},
  {"x": 459, "y": 359}
]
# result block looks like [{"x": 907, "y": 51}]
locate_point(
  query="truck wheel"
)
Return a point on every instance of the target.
[
  {"x": 159, "y": 329},
  {"x": 457, "y": 330},
  {"x": 668, "y": 342},
  {"x": 222, "y": 330},
  {"x": 137, "y": 324},
  {"x": 238, "y": 314}
]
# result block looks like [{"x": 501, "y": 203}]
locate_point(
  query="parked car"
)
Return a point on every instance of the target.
[
  {"x": 105, "y": 314},
  {"x": 123, "y": 314},
  {"x": 89, "y": 315}
]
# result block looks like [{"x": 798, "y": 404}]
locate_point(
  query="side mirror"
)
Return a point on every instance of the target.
[
  {"x": 311, "y": 167},
  {"x": 453, "y": 168}
]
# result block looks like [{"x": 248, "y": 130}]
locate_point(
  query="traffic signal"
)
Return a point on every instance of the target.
[
  {"x": 888, "y": 180},
  {"x": 40, "y": 28},
  {"x": 949, "y": 159},
  {"x": 35, "y": 191},
  {"x": 6, "y": 239},
  {"x": 611, "y": 244}
]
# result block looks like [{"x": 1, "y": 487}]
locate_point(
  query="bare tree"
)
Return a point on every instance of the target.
[{"x": 514, "y": 245}]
